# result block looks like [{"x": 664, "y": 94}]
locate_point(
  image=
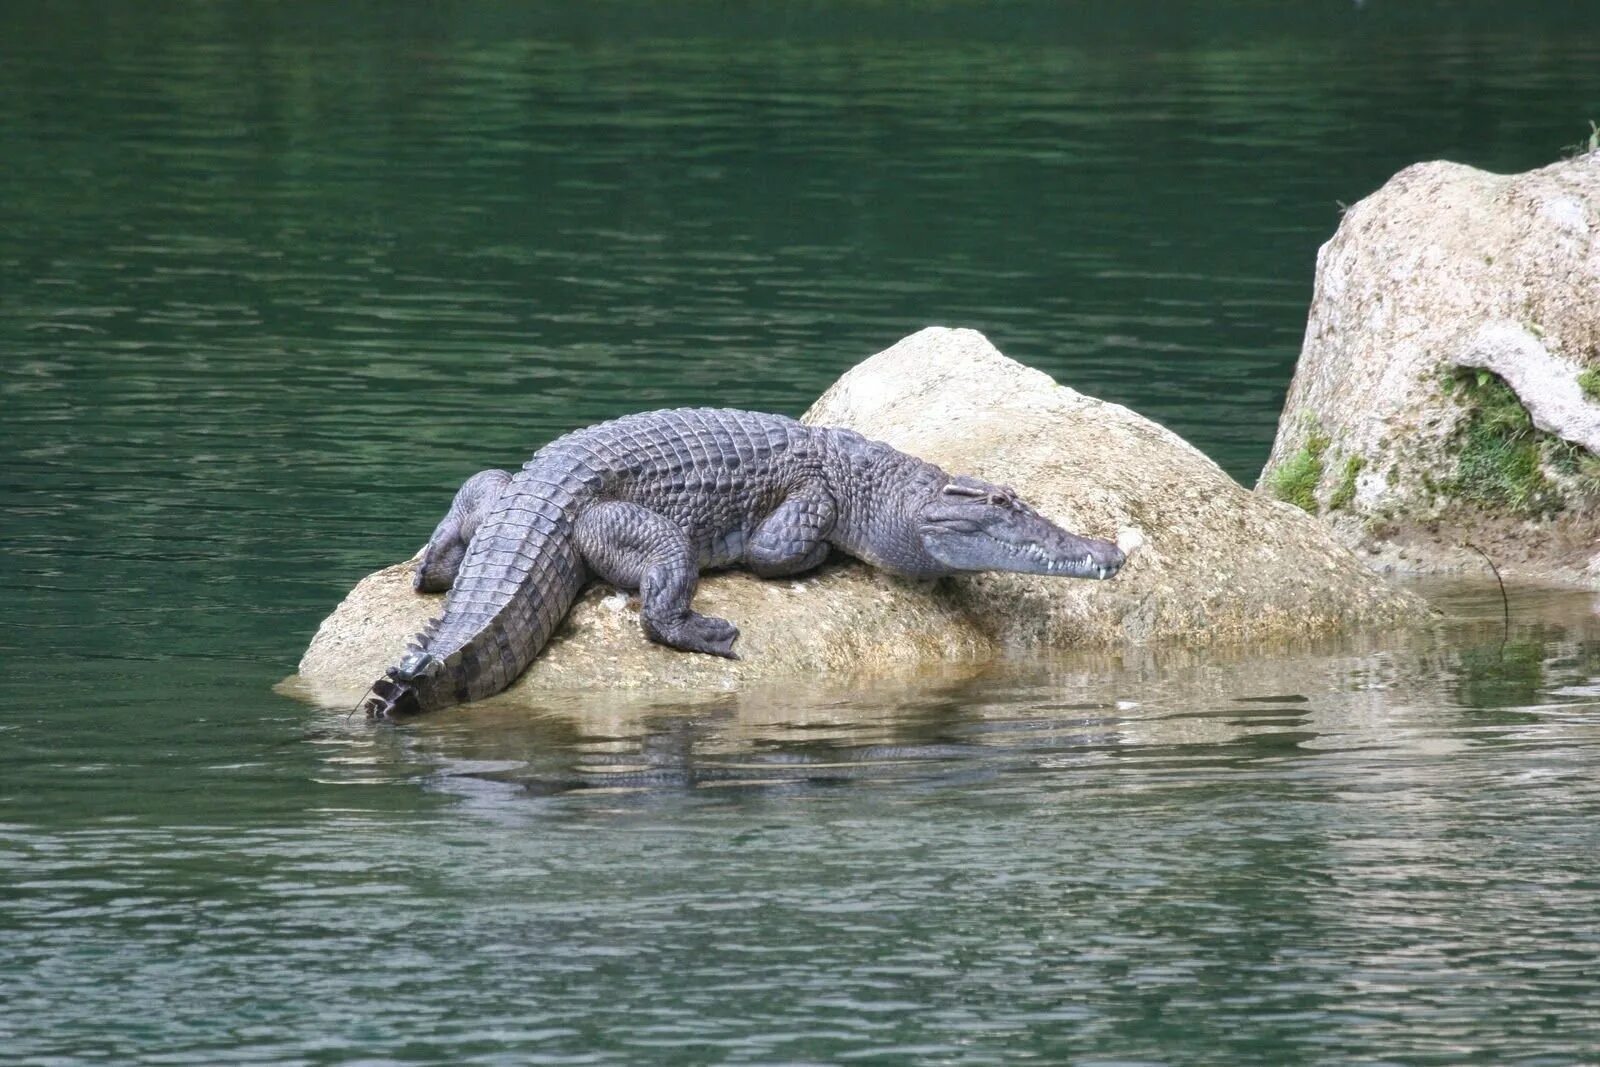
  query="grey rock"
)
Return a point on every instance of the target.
[{"x": 1449, "y": 267}]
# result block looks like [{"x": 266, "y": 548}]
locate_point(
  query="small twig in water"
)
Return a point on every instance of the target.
[{"x": 1505, "y": 601}]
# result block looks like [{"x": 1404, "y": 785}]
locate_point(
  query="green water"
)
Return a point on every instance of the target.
[{"x": 275, "y": 277}]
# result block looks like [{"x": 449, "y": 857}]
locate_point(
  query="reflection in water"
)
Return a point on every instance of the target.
[
  {"x": 1267, "y": 855},
  {"x": 1192, "y": 712}
]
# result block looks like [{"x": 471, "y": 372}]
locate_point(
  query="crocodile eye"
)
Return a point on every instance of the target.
[{"x": 968, "y": 492}]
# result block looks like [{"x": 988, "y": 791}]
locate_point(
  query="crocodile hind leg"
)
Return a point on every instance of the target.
[
  {"x": 794, "y": 538},
  {"x": 633, "y": 547},
  {"x": 442, "y": 556}
]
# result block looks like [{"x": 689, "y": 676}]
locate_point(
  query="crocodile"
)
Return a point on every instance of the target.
[{"x": 648, "y": 501}]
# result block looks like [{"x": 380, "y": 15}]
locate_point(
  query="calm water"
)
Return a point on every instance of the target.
[{"x": 274, "y": 278}]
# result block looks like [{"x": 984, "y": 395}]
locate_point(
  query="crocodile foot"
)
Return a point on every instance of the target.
[{"x": 698, "y": 633}]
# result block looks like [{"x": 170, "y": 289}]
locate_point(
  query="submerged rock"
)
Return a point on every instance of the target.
[
  {"x": 1448, "y": 390},
  {"x": 1207, "y": 558}
]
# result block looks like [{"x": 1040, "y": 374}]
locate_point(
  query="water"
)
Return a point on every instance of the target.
[{"x": 274, "y": 278}]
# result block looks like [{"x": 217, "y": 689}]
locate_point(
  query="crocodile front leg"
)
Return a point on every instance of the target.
[
  {"x": 442, "y": 556},
  {"x": 635, "y": 548},
  {"x": 794, "y": 538}
]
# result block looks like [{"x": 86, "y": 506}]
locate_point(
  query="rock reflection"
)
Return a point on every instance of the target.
[{"x": 1193, "y": 711}]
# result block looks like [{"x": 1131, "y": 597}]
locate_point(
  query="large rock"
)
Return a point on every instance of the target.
[
  {"x": 1448, "y": 390},
  {"x": 842, "y": 621},
  {"x": 1206, "y": 557}
]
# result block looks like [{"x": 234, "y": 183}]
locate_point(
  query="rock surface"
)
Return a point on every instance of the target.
[
  {"x": 1206, "y": 557},
  {"x": 1157, "y": 696},
  {"x": 1389, "y": 430},
  {"x": 844, "y": 620}
]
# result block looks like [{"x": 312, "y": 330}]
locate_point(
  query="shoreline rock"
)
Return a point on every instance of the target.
[
  {"x": 1448, "y": 389},
  {"x": 1208, "y": 560}
]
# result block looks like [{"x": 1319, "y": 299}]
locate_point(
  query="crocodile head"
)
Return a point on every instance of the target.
[{"x": 971, "y": 525}]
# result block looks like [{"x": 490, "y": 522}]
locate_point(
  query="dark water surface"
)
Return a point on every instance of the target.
[{"x": 275, "y": 277}]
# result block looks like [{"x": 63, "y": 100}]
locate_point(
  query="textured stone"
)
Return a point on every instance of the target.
[
  {"x": 843, "y": 620},
  {"x": 1208, "y": 559},
  {"x": 1445, "y": 267}
]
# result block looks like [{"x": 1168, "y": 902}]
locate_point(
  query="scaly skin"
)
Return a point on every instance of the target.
[{"x": 648, "y": 501}]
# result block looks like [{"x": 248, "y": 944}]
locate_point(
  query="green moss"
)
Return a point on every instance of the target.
[
  {"x": 1499, "y": 412},
  {"x": 1587, "y": 475},
  {"x": 1577, "y": 465},
  {"x": 1297, "y": 478},
  {"x": 1345, "y": 491},
  {"x": 1500, "y": 474},
  {"x": 1498, "y": 464},
  {"x": 1589, "y": 382}
]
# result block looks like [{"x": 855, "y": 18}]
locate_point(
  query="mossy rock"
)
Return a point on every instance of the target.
[
  {"x": 1297, "y": 479},
  {"x": 1345, "y": 491},
  {"x": 1500, "y": 463},
  {"x": 1503, "y": 454}
]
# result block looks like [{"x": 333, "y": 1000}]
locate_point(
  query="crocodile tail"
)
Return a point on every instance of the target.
[
  {"x": 390, "y": 698},
  {"x": 521, "y": 573},
  {"x": 395, "y": 694},
  {"x": 419, "y": 644}
]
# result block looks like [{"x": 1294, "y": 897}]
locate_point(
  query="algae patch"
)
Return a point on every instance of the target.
[
  {"x": 1345, "y": 491},
  {"x": 1501, "y": 459},
  {"x": 1297, "y": 478}
]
